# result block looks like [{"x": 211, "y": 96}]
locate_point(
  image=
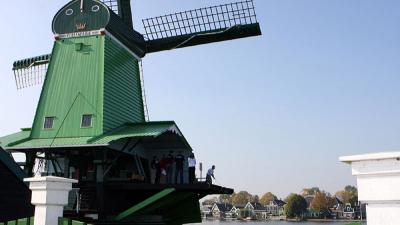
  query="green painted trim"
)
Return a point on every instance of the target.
[{"x": 144, "y": 204}]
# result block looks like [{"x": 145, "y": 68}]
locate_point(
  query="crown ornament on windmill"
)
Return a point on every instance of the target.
[{"x": 91, "y": 122}]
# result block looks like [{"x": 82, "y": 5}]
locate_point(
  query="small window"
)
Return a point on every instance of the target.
[
  {"x": 48, "y": 122},
  {"x": 95, "y": 8},
  {"x": 69, "y": 12},
  {"x": 86, "y": 120}
]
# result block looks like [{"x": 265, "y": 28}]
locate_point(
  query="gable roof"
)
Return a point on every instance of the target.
[
  {"x": 257, "y": 206},
  {"x": 224, "y": 207},
  {"x": 279, "y": 202},
  {"x": 338, "y": 200}
]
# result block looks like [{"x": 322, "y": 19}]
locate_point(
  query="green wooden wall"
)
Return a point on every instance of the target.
[
  {"x": 73, "y": 86},
  {"x": 122, "y": 90},
  {"x": 89, "y": 75}
]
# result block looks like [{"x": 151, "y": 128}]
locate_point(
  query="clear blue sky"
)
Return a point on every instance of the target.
[{"x": 273, "y": 113}]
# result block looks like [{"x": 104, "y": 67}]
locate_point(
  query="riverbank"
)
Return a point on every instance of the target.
[
  {"x": 269, "y": 222},
  {"x": 347, "y": 222}
]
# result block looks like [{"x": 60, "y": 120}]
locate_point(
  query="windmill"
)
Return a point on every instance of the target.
[{"x": 90, "y": 123}]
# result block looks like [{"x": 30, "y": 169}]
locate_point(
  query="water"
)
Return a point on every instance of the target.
[{"x": 216, "y": 222}]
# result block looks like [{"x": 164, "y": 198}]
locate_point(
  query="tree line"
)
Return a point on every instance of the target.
[{"x": 296, "y": 204}]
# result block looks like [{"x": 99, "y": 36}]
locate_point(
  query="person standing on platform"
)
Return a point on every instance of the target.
[
  {"x": 170, "y": 162},
  {"x": 163, "y": 169},
  {"x": 210, "y": 175},
  {"x": 192, "y": 168},
  {"x": 179, "y": 167},
  {"x": 155, "y": 170}
]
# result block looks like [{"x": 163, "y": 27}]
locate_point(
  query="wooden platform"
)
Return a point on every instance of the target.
[{"x": 199, "y": 188}]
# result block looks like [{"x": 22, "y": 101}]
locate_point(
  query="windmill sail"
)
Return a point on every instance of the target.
[
  {"x": 31, "y": 71},
  {"x": 201, "y": 26},
  {"x": 122, "y": 8}
]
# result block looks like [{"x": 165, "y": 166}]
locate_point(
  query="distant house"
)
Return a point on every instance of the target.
[
  {"x": 275, "y": 207},
  {"x": 348, "y": 212},
  {"x": 337, "y": 209},
  {"x": 255, "y": 210},
  {"x": 205, "y": 211},
  {"x": 223, "y": 210},
  {"x": 309, "y": 199},
  {"x": 260, "y": 211},
  {"x": 327, "y": 213},
  {"x": 311, "y": 213},
  {"x": 233, "y": 213},
  {"x": 240, "y": 212}
]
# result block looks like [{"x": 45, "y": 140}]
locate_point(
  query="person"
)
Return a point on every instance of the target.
[
  {"x": 163, "y": 167},
  {"x": 192, "y": 168},
  {"x": 179, "y": 167},
  {"x": 156, "y": 170},
  {"x": 210, "y": 175},
  {"x": 169, "y": 167}
]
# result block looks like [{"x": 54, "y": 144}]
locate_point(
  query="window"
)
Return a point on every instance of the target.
[
  {"x": 86, "y": 120},
  {"x": 69, "y": 12},
  {"x": 95, "y": 8},
  {"x": 48, "y": 122}
]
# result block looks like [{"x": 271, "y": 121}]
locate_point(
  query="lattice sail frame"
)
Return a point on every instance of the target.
[
  {"x": 112, "y": 4},
  {"x": 30, "y": 72},
  {"x": 201, "y": 20}
]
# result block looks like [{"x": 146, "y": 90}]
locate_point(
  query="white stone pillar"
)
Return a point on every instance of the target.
[
  {"x": 378, "y": 181},
  {"x": 49, "y": 196}
]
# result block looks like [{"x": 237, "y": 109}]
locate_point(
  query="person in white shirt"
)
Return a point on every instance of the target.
[
  {"x": 192, "y": 168},
  {"x": 210, "y": 175}
]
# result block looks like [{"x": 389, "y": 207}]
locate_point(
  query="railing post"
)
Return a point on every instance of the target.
[{"x": 49, "y": 196}]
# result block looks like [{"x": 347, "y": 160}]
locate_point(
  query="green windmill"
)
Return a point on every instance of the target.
[{"x": 91, "y": 123}]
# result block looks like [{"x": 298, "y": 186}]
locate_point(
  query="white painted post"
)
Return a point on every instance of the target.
[
  {"x": 378, "y": 181},
  {"x": 49, "y": 196}
]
